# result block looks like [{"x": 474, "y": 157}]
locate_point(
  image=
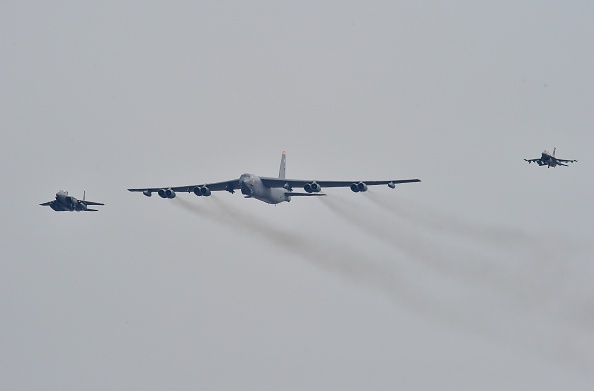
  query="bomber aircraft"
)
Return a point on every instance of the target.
[
  {"x": 548, "y": 159},
  {"x": 267, "y": 189},
  {"x": 65, "y": 202}
]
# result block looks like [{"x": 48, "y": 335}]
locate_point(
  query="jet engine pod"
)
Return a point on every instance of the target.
[
  {"x": 166, "y": 193},
  {"x": 362, "y": 187},
  {"x": 170, "y": 193},
  {"x": 147, "y": 193},
  {"x": 202, "y": 191},
  {"x": 313, "y": 187},
  {"x": 355, "y": 187},
  {"x": 391, "y": 185}
]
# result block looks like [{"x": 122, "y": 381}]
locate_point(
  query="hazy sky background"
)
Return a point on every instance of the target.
[{"x": 480, "y": 277}]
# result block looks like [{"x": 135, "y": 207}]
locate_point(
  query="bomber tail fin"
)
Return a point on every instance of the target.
[{"x": 283, "y": 163}]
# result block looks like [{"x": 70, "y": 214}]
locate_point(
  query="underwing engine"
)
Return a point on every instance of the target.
[
  {"x": 202, "y": 191},
  {"x": 359, "y": 187},
  {"x": 166, "y": 193},
  {"x": 313, "y": 187}
]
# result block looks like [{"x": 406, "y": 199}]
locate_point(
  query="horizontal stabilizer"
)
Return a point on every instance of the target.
[
  {"x": 91, "y": 210},
  {"x": 304, "y": 194},
  {"x": 91, "y": 203}
]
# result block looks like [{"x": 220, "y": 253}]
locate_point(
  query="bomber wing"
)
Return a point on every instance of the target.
[
  {"x": 276, "y": 182},
  {"x": 229, "y": 186}
]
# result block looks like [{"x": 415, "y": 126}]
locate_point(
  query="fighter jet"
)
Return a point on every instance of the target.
[
  {"x": 548, "y": 159},
  {"x": 267, "y": 189},
  {"x": 64, "y": 202}
]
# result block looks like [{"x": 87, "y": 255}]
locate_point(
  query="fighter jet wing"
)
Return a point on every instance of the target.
[
  {"x": 230, "y": 185},
  {"x": 532, "y": 160},
  {"x": 46, "y": 203},
  {"x": 277, "y": 182},
  {"x": 566, "y": 161}
]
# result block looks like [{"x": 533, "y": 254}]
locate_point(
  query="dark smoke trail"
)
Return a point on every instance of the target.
[
  {"x": 452, "y": 225},
  {"x": 524, "y": 285},
  {"x": 342, "y": 259},
  {"x": 437, "y": 256},
  {"x": 521, "y": 288},
  {"x": 472, "y": 317},
  {"x": 529, "y": 256}
]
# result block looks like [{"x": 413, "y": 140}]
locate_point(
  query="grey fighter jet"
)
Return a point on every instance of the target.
[
  {"x": 548, "y": 159},
  {"x": 269, "y": 190},
  {"x": 65, "y": 202}
]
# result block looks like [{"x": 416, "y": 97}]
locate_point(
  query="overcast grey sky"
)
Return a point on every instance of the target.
[{"x": 480, "y": 277}]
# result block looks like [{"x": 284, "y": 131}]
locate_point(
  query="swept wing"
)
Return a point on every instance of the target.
[
  {"x": 276, "y": 182},
  {"x": 230, "y": 185},
  {"x": 566, "y": 161}
]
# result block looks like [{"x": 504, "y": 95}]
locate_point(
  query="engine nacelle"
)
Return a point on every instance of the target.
[
  {"x": 166, "y": 193},
  {"x": 355, "y": 187},
  {"x": 391, "y": 185},
  {"x": 202, "y": 191},
  {"x": 147, "y": 193},
  {"x": 362, "y": 187},
  {"x": 313, "y": 187}
]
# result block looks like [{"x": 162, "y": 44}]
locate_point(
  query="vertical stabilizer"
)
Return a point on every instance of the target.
[
  {"x": 281, "y": 171},
  {"x": 554, "y": 149}
]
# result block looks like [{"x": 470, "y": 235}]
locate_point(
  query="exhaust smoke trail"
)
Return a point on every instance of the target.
[
  {"x": 478, "y": 317},
  {"x": 522, "y": 276},
  {"x": 348, "y": 263},
  {"x": 441, "y": 258},
  {"x": 452, "y": 225},
  {"x": 344, "y": 260},
  {"x": 520, "y": 285}
]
